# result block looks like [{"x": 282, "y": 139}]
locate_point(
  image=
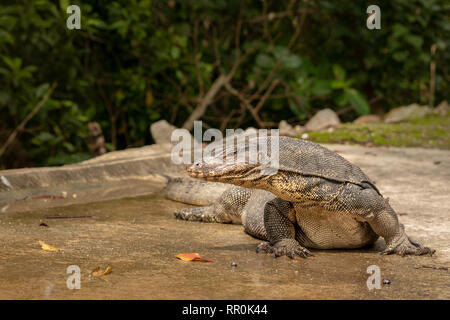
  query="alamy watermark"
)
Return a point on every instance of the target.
[
  {"x": 374, "y": 19},
  {"x": 251, "y": 146},
  {"x": 74, "y": 20},
  {"x": 74, "y": 280},
  {"x": 374, "y": 281}
]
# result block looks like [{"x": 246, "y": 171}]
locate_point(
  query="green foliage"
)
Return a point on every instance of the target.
[{"x": 134, "y": 62}]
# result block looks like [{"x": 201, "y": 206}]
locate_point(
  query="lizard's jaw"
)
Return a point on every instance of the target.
[
  {"x": 239, "y": 174},
  {"x": 208, "y": 171},
  {"x": 195, "y": 171}
]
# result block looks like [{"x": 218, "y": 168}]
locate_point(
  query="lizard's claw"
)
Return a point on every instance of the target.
[
  {"x": 286, "y": 247},
  {"x": 406, "y": 246}
]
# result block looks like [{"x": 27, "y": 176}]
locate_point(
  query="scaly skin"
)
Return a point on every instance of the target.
[{"x": 316, "y": 199}]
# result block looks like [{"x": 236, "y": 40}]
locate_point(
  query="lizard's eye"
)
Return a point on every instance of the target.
[{"x": 231, "y": 153}]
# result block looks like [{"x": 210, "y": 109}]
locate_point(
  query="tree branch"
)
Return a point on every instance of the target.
[
  {"x": 266, "y": 95},
  {"x": 245, "y": 103},
  {"x": 196, "y": 64},
  {"x": 205, "y": 101}
]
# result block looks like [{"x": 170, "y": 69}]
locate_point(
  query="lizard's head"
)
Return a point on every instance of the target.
[{"x": 242, "y": 164}]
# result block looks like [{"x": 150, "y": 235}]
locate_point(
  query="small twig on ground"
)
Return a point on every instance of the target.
[
  {"x": 431, "y": 267},
  {"x": 68, "y": 217}
]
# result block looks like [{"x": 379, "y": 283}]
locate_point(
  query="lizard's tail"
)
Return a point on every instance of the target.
[
  {"x": 193, "y": 191},
  {"x": 202, "y": 214}
]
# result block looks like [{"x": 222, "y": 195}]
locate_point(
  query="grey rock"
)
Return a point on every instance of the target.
[
  {"x": 406, "y": 112},
  {"x": 162, "y": 131},
  {"x": 443, "y": 108},
  {"x": 322, "y": 120},
  {"x": 288, "y": 130}
]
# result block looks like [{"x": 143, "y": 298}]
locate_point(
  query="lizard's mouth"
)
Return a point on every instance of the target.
[
  {"x": 202, "y": 170},
  {"x": 195, "y": 171},
  {"x": 226, "y": 173}
]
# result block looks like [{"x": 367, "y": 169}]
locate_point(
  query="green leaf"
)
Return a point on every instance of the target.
[
  {"x": 296, "y": 109},
  {"x": 416, "y": 41},
  {"x": 41, "y": 90},
  {"x": 400, "y": 56},
  {"x": 265, "y": 61},
  {"x": 321, "y": 88},
  {"x": 6, "y": 37},
  {"x": 358, "y": 102},
  {"x": 62, "y": 158},
  {"x": 339, "y": 72},
  {"x": 91, "y": 22},
  {"x": 8, "y": 22},
  {"x": 70, "y": 147},
  {"x": 279, "y": 52},
  {"x": 338, "y": 84},
  {"x": 399, "y": 30},
  {"x": 63, "y": 4},
  {"x": 175, "y": 52},
  {"x": 42, "y": 138},
  {"x": 13, "y": 63},
  {"x": 51, "y": 104},
  {"x": 292, "y": 61},
  {"x": 341, "y": 99},
  {"x": 4, "y": 97},
  {"x": 5, "y": 72}
]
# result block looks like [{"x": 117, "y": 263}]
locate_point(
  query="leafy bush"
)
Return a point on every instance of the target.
[{"x": 134, "y": 62}]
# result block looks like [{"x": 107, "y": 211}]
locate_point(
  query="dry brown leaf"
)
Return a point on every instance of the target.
[
  {"x": 46, "y": 247},
  {"x": 192, "y": 257},
  {"x": 96, "y": 272}
]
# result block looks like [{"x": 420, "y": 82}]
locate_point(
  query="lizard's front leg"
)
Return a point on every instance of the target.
[
  {"x": 227, "y": 208},
  {"x": 279, "y": 222},
  {"x": 376, "y": 210}
]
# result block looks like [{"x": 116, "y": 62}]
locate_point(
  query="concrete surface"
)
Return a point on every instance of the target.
[
  {"x": 114, "y": 175},
  {"x": 139, "y": 238}
]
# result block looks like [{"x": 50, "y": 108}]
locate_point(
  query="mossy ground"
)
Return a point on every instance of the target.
[{"x": 432, "y": 131}]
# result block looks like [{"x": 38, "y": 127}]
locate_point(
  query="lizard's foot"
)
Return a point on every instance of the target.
[
  {"x": 285, "y": 247},
  {"x": 406, "y": 246}
]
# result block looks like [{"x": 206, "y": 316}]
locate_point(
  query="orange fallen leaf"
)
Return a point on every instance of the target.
[
  {"x": 192, "y": 257},
  {"x": 46, "y": 247},
  {"x": 97, "y": 272}
]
